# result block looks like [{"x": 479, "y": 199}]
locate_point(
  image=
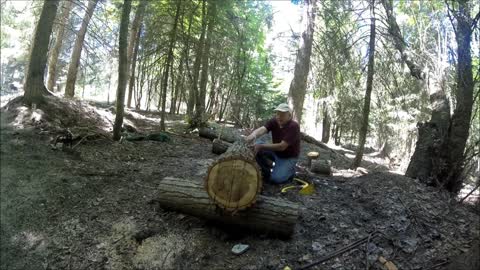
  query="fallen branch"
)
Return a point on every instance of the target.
[
  {"x": 470, "y": 193},
  {"x": 340, "y": 251}
]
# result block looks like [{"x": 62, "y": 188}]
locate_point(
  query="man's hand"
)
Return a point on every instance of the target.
[
  {"x": 249, "y": 139},
  {"x": 257, "y": 148}
]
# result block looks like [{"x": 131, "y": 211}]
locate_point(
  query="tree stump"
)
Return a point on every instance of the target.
[
  {"x": 311, "y": 156},
  {"x": 321, "y": 166},
  {"x": 270, "y": 215},
  {"x": 219, "y": 147},
  {"x": 234, "y": 180}
]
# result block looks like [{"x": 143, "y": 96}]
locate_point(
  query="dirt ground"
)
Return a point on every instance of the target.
[{"x": 94, "y": 207}]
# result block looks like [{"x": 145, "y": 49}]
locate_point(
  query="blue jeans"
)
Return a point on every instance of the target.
[{"x": 282, "y": 171}]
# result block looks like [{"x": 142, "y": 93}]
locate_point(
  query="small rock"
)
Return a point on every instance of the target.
[
  {"x": 240, "y": 249},
  {"x": 316, "y": 246}
]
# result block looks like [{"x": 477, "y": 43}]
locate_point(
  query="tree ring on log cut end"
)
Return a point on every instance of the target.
[{"x": 233, "y": 182}]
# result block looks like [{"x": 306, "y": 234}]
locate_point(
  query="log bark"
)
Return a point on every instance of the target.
[
  {"x": 270, "y": 215},
  {"x": 219, "y": 147},
  {"x": 211, "y": 134},
  {"x": 321, "y": 166}
]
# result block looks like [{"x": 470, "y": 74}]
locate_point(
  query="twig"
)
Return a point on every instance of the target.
[
  {"x": 470, "y": 193},
  {"x": 340, "y": 251},
  {"x": 84, "y": 137},
  {"x": 366, "y": 251},
  {"x": 438, "y": 264}
]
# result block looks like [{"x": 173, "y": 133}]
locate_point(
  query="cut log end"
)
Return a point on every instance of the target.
[{"x": 233, "y": 182}]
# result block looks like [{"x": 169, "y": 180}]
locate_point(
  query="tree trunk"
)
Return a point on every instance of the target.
[
  {"x": 34, "y": 85},
  {"x": 122, "y": 69},
  {"x": 52, "y": 65},
  {"x": 200, "y": 105},
  {"x": 298, "y": 86},
  {"x": 219, "y": 147},
  {"x": 173, "y": 37},
  {"x": 131, "y": 81},
  {"x": 77, "y": 51},
  {"x": 234, "y": 180},
  {"x": 133, "y": 46},
  {"x": 196, "y": 65},
  {"x": 368, "y": 92},
  {"x": 460, "y": 122},
  {"x": 439, "y": 153},
  {"x": 325, "y": 125},
  {"x": 271, "y": 215}
]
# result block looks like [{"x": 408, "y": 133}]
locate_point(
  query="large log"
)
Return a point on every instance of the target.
[
  {"x": 269, "y": 215},
  {"x": 321, "y": 166},
  {"x": 222, "y": 134},
  {"x": 234, "y": 179},
  {"x": 219, "y": 147}
]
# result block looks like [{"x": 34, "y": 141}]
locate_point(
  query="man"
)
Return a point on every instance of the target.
[{"x": 277, "y": 160}]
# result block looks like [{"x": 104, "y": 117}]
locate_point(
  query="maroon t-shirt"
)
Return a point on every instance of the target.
[{"x": 289, "y": 133}]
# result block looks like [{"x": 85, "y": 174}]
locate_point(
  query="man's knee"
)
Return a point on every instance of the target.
[{"x": 279, "y": 177}]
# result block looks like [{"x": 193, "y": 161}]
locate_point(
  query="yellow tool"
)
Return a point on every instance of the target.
[{"x": 305, "y": 189}]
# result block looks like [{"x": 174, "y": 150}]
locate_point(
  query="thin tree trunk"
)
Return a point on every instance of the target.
[
  {"x": 52, "y": 65},
  {"x": 122, "y": 69},
  {"x": 200, "y": 105},
  {"x": 326, "y": 125},
  {"x": 131, "y": 81},
  {"x": 298, "y": 86},
  {"x": 368, "y": 92},
  {"x": 196, "y": 66},
  {"x": 133, "y": 47},
  {"x": 173, "y": 37},
  {"x": 77, "y": 51},
  {"x": 34, "y": 85}
]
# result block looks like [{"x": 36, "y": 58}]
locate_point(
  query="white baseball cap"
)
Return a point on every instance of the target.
[{"x": 283, "y": 108}]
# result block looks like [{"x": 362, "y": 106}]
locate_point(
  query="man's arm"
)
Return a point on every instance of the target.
[
  {"x": 256, "y": 134},
  {"x": 281, "y": 146}
]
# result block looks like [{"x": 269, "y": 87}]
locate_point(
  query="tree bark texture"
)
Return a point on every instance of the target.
[
  {"x": 77, "y": 51},
  {"x": 122, "y": 69},
  {"x": 52, "y": 65},
  {"x": 222, "y": 134},
  {"x": 34, "y": 85},
  {"x": 298, "y": 86},
  {"x": 219, "y": 147},
  {"x": 269, "y": 215},
  {"x": 368, "y": 91}
]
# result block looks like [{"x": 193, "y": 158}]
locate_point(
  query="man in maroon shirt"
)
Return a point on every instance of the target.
[{"x": 277, "y": 160}]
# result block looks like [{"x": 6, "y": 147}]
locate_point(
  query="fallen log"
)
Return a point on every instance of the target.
[
  {"x": 219, "y": 147},
  {"x": 269, "y": 215},
  {"x": 234, "y": 180},
  {"x": 222, "y": 134},
  {"x": 321, "y": 166},
  {"x": 312, "y": 140}
]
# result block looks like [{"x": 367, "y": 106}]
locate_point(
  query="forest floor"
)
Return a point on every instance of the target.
[{"x": 94, "y": 206}]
